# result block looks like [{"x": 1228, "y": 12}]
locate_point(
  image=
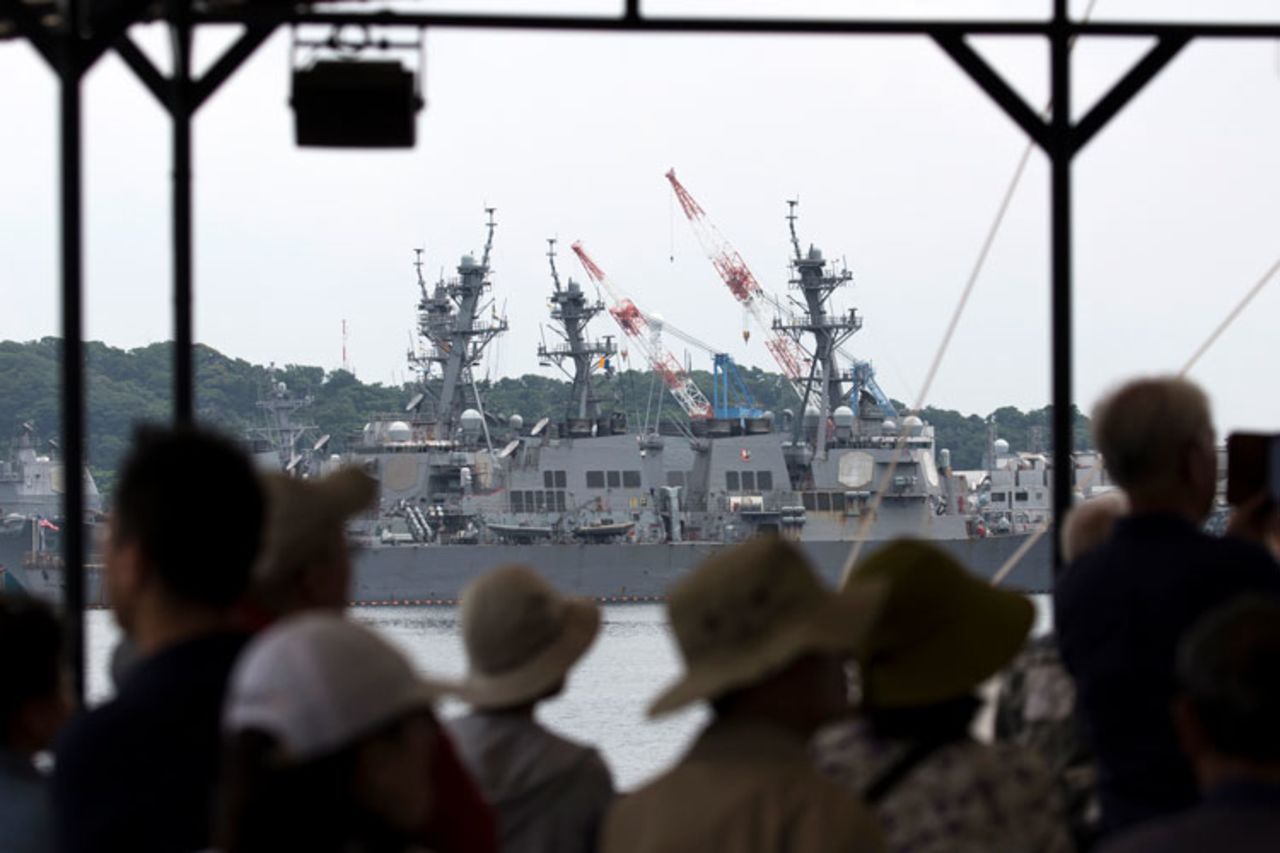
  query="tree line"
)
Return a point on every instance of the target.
[{"x": 128, "y": 387}]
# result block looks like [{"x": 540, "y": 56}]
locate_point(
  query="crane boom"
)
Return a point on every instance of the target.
[
  {"x": 634, "y": 324},
  {"x": 741, "y": 281}
]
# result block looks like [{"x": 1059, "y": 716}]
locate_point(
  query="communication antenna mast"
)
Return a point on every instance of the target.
[{"x": 346, "y": 363}]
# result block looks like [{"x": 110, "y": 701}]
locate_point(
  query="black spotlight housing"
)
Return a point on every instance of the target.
[{"x": 346, "y": 103}]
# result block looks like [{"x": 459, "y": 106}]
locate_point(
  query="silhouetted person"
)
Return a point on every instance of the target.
[
  {"x": 328, "y": 731},
  {"x": 137, "y": 773},
  {"x": 1121, "y": 607},
  {"x": 522, "y": 639},
  {"x": 940, "y": 634},
  {"x": 33, "y": 705},
  {"x": 764, "y": 642},
  {"x": 306, "y": 566},
  {"x": 1229, "y": 671}
]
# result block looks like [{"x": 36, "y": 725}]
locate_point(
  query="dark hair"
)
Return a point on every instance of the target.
[
  {"x": 191, "y": 501},
  {"x": 32, "y": 642},
  {"x": 1229, "y": 669},
  {"x": 941, "y": 722},
  {"x": 264, "y": 805}
]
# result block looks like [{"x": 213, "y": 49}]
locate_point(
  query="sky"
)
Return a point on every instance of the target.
[{"x": 897, "y": 159}]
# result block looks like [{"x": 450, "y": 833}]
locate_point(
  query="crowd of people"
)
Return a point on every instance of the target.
[{"x": 250, "y": 714}]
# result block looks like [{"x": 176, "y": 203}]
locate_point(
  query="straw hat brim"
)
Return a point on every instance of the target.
[
  {"x": 532, "y": 679},
  {"x": 838, "y": 626},
  {"x": 990, "y": 629}
]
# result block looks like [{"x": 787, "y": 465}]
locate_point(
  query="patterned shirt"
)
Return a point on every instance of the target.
[{"x": 965, "y": 797}]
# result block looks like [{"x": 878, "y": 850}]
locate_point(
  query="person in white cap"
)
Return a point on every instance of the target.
[
  {"x": 764, "y": 641},
  {"x": 305, "y": 565},
  {"x": 328, "y": 729},
  {"x": 522, "y": 638}
]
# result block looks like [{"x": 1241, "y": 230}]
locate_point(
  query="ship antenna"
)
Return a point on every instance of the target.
[
  {"x": 792, "y": 204},
  {"x": 551, "y": 257},
  {"x": 488, "y": 240},
  {"x": 417, "y": 265}
]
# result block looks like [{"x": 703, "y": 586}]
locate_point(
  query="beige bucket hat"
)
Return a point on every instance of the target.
[
  {"x": 302, "y": 513},
  {"x": 941, "y": 632},
  {"x": 522, "y": 637},
  {"x": 752, "y": 610}
]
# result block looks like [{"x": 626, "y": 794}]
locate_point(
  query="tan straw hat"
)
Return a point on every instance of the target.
[
  {"x": 941, "y": 632},
  {"x": 752, "y": 610},
  {"x": 522, "y": 637},
  {"x": 301, "y": 515}
]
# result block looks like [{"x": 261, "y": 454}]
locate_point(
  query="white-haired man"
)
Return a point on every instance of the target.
[{"x": 1121, "y": 607}]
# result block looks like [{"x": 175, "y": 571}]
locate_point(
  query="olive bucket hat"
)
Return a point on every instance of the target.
[
  {"x": 752, "y": 610},
  {"x": 941, "y": 631}
]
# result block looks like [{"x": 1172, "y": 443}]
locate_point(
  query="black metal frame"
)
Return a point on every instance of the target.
[{"x": 71, "y": 50}]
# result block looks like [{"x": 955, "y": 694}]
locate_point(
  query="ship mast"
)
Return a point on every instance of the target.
[
  {"x": 572, "y": 312},
  {"x": 449, "y": 320},
  {"x": 824, "y": 388}
]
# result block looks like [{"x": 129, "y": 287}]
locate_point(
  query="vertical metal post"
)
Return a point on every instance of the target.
[
  {"x": 1060, "y": 158},
  {"x": 73, "y": 385},
  {"x": 180, "y": 112}
]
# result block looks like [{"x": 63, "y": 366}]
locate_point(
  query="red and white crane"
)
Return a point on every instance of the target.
[
  {"x": 742, "y": 283},
  {"x": 646, "y": 337}
]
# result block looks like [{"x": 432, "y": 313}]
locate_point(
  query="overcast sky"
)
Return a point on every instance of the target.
[{"x": 898, "y": 160}]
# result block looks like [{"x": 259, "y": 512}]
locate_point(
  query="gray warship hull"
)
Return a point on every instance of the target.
[{"x": 435, "y": 574}]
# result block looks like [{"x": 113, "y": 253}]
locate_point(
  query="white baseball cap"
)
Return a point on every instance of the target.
[{"x": 317, "y": 682}]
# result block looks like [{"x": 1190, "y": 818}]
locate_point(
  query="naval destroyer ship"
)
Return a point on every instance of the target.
[
  {"x": 616, "y": 511},
  {"x": 32, "y": 484}
]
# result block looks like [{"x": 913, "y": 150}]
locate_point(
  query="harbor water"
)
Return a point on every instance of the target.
[{"x": 605, "y": 701}]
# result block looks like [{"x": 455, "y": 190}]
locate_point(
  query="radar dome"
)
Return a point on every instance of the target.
[
  {"x": 399, "y": 431},
  {"x": 843, "y": 416},
  {"x": 768, "y": 416},
  {"x": 468, "y": 261},
  {"x": 656, "y": 320},
  {"x": 516, "y": 423},
  {"x": 811, "y": 415},
  {"x": 889, "y": 425},
  {"x": 815, "y": 254},
  {"x": 471, "y": 421},
  {"x": 1002, "y": 446},
  {"x": 282, "y": 388}
]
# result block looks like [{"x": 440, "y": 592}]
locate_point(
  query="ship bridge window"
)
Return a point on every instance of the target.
[
  {"x": 824, "y": 501},
  {"x": 559, "y": 501},
  {"x": 837, "y": 501},
  {"x": 731, "y": 481},
  {"x": 1020, "y": 496},
  {"x": 810, "y": 503},
  {"x": 675, "y": 478},
  {"x": 615, "y": 479},
  {"x": 764, "y": 481},
  {"x": 517, "y": 501},
  {"x": 999, "y": 497},
  {"x": 541, "y": 499},
  {"x": 631, "y": 479},
  {"x": 549, "y": 479},
  {"x": 562, "y": 479},
  {"x": 595, "y": 479},
  {"x": 748, "y": 481}
]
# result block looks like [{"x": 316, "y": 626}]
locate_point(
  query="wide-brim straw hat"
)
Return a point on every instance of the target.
[
  {"x": 302, "y": 516},
  {"x": 522, "y": 638},
  {"x": 941, "y": 632},
  {"x": 751, "y": 611}
]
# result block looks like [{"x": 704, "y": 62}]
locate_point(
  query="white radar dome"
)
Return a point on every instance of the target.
[
  {"x": 516, "y": 423},
  {"x": 471, "y": 420},
  {"x": 399, "y": 431},
  {"x": 656, "y": 320},
  {"x": 889, "y": 425},
  {"x": 1002, "y": 446},
  {"x": 843, "y": 416}
]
